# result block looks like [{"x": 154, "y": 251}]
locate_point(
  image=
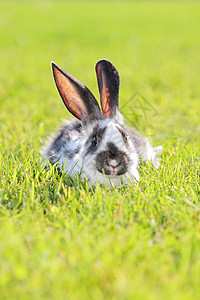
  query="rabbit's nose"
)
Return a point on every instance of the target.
[
  {"x": 113, "y": 163},
  {"x": 113, "y": 167}
]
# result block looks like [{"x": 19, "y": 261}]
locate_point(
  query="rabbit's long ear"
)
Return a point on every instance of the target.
[
  {"x": 108, "y": 81},
  {"x": 76, "y": 96}
]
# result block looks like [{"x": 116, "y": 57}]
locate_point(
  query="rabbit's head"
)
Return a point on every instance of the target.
[{"x": 107, "y": 151}]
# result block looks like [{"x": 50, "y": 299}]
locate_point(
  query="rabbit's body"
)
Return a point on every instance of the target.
[{"x": 98, "y": 146}]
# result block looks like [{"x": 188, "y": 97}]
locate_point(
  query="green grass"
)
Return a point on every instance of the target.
[{"x": 59, "y": 240}]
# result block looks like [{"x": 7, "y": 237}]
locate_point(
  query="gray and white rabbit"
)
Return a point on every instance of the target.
[{"x": 98, "y": 146}]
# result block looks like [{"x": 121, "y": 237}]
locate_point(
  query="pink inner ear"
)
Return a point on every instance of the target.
[
  {"x": 69, "y": 95},
  {"x": 105, "y": 94},
  {"x": 105, "y": 101}
]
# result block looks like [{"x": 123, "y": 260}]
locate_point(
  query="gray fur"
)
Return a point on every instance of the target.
[
  {"x": 60, "y": 142},
  {"x": 112, "y": 153}
]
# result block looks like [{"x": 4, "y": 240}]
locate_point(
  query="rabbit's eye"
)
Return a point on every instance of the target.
[
  {"x": 126, "y": 139},
  {"x": 94, "y": 141}
]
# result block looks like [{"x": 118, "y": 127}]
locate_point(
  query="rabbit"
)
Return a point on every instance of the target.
[{"x": 97, "y": 144}]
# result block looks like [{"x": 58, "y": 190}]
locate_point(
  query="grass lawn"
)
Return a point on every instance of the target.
[{"x": 59, "y": 240}]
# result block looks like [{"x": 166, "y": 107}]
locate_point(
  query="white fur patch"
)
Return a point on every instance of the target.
[{"x": 152, "y": 153}]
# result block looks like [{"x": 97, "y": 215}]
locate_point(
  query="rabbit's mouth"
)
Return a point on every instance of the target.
[{"x": 112, "y": 173}]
